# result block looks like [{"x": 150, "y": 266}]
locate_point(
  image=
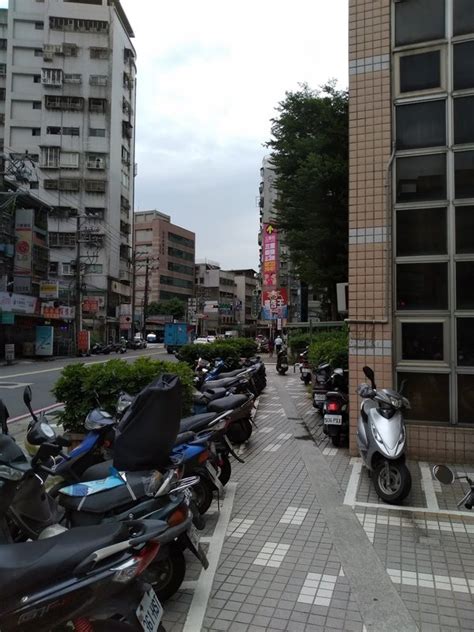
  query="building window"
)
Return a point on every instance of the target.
[
  {"x": 420, "y": 71},
  {"x": 463, "y": 18},
  {"x": 463, "y": 66},
  {"x": 99, "y": 53},
  {"x": 181, "y": 268},
  {"x": 73, "y": 78},
  {"x": 52, "y": 77},
  {"x": 34, "y": 184},
  {"x": 36, "y": 105},
  {"x": 94, "y": 212},
  {"x": 98, "y": 80},
  {"x": 465, "y": 341},
  {"x": 50, "y": 157},
  {"x": 422, "y": 286},
  {"x": 126, "y": 130},
  {"x": 419, "y": 21},
  {"x": 97, "y": 132},
  {"x": 421, "y": 125},
  {"x": 464, "y": 230},
  {"x": 78, "y": 25},
  {"x": 69, "y": 160},
  {"x": 94, "y": 268},
  {"x": 465, "y": 399},
  {"x": 65, "y": 131},
  {"x": 125, "y": 156},
  {"x": 96, "y": 161},
  {"x": 99, "y": 106},
  {"x": 179, "y": 239},
  {"x": 36, "y": 131},
  {"x": 464, "y": 174},
  {"x": 421, "y": 178},
  {"x": 95, "y": 186},
  {"x": 428, "y": 394},
  {"x": 39, "y": 26},
  {"x": 64, "y": 103},
  {"x": 36, "y": 78},
  {"x": 464, "y": 285},
  {"x": 3, "y": 44},
  {"x": 62, "y": 239},
  {"x": 463, "y": 120},
  {"x": 423, "y": 341},
  {"x": 38, "y": 52},
  {"x": 180, "y": 254},
  {"x": 414, "y": 239},
  {"x": 166, "y": 280}
]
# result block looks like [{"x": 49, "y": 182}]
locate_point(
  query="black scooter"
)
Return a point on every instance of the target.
[{"x": 282, "y": 362}]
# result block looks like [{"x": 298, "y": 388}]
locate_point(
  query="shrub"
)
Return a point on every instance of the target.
[
  {"x": 84, "y": 387},
  {"x": 298, "y": 342},
  {"x": 332, "y": 347},
  {"x": 229, "y": 350},
  {"x": 245, "y": 347}
]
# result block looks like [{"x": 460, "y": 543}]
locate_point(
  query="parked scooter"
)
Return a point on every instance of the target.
[
  {"x": 336, "y": 409},
  {"x": 381, "y": 439},
  {"x": 305, "y": 369},
  {"x": 322, "y": 384},
  {"x": 282, "y": 361},
  {"x": 445, "y": 475}
]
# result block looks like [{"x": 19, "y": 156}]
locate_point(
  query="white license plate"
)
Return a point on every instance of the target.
[
  {"x": 150, "y": 611},
  {"x": 284, "y": 365},
  {"x": 305, "y": 371},
  {"x": 193, "y": 536},
  {"x": 333, "y": 420},
  {"x": 319, "y": 397}
]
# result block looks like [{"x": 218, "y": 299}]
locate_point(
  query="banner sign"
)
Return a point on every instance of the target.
[
  {"x": 275, "y": 304},
  {"x": 49, "y": 290},
  {"x": 62, "y": 312},
  {"x": 18, "y": 303},
  {"x": 90, "y": 305},
  {"x": 44, "y": 340},
  {"x": 83, "y": 341},
  {"x": 270, "y": 256},
  {"x": 24, "y": 240}
]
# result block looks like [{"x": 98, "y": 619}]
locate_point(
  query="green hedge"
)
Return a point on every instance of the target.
[
  {"x": 298, "y": 342},
  {"x": 84, "y": 387},
  {"x": 332, "y": 347},
  {"x": 230, "y": 350}
]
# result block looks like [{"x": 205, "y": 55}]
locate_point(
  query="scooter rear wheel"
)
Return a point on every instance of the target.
[
  {"x": 240, "y": 431},
  {"x": 166, "y": 575},
  {"x": 203, "y": 494},
  {"x": 225, "y": 469},
  {"x": 398, "y": 485}
]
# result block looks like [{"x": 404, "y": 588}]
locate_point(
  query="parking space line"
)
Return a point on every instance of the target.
[
  {"x": 197, "y": 610},
  {"x": 428, "y": 487},
  {"x": 353, "y": 484}
]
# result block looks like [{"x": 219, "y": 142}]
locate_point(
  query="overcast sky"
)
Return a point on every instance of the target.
[{"x": 210, "y": 74}]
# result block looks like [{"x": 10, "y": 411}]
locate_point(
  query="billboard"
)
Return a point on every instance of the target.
[
  {"x": 270, "y": 256},
  {"x": 49, "y": 289},
  {"x": 24, "y": 241},
  {"x": 275, "y": 304},
  {"x": 44, "y": 340}
]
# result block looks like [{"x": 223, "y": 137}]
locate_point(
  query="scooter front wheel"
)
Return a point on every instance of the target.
[{"x": 393, "y": 487}]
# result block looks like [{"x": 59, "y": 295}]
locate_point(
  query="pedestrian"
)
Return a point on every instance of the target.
[
  {"x": 278, "y": 344},
  {"x": 270, "y": 348}
]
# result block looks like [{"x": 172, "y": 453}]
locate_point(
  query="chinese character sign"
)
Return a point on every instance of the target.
[
  {"x": 24, "y": 235},
  {"x": 275, "y": 304},
  {"x": 270, "y": 256}
]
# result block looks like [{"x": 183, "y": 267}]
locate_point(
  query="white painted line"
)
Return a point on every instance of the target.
[
  {"x": 284, "y": 436},
  {"x": 197, "y": 610},
  {"x": 205, "y": 539},
  {"x": 294, "y": 515},
  {"x": 351, "y": 491},
  {"x": 318, "y": 589},
  {"x": 13, "y": 385},
  {"x": 189, "y": 584},
  {"x": 329, "y": 451},
  {"x": 265, "y": 429},
  {"x": 238, "y": 527},
  {"x": 272, "y": 447},
  {"x": 369, "y": 521},
  {"x": 436, "y": 582},
  {"x": 428, "y": 488},
  {"x": 37, "y": 412},
  {"x": 272, "y": 554},
  {"x": 440, "y": 512}
]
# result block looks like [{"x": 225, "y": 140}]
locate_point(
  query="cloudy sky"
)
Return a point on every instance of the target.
[{"x": 210, "y": 75}]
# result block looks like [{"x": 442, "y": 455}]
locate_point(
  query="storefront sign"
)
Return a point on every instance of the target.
[
  {"x": 24, "y": 240},
  {"x": 18, "y": 303},
  {"x": 90, "y": 306},
  {"x": 83, "y": 341},
  {"x": 44, "y": 340},
  {"x": 9, "y": 353},
  {"x": 62, "y": 312},
  {"x": 7, "y": 318},
  {"x": 49, "y": 290},
  {"x": 270, "y": 256},
  {"x": 275, "y": 304}
]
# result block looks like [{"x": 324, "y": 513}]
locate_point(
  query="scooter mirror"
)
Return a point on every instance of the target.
[
  {"x": 27, "y": 396},
  {"x": 368, "y": 372},
  {"x": 444, "y": 474}
]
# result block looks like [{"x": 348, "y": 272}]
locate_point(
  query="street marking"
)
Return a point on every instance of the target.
[
  {"x": 189, "y": 584},
  {"x": 12, "y": 385},
  {"x": 369, "y": 521},
  {"x": 426, "y": 580},
  {"x": 272, "y": 554},
  {"x": 318, "y": 589},
  {"x": 197, "y": 610},
  {"x": 37, "y": 412},
  {"x": 440, "y": 512},
  {"x": 330, "y": 451},
  {"x": 238, "y": 527},
  {"x": 353, "y": 484},
  {"x": 266, "y": 429},
  {"x": 428, "y": 487},
  {"x": 294, "y": 515},
  {"x": 284, "y": 436},
  {"x": 272, "y": 447}
]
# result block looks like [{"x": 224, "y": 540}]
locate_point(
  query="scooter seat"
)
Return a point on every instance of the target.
[
  {"x": 227, "y": 374},
  {"x": 109, "y": 500},
  {"x": 53, "y": 559},
  {"x": 231, "y": 402},
  {"x": 229, "y": 381},
  {"x": 196, "y": 422},
  {"x": 208, "y": 395},
  {"x": 337, "y": 394}
]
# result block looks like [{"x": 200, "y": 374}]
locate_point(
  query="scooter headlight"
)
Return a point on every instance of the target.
[{"x": 376, "y": 433}]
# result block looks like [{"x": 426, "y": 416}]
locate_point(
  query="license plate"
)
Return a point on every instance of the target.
[
  {"x": 333, "y": 420},
  {"x": 284, "y": 365},
  {"x": 193, "y": 536},
  {"x": 149, "y": 612},
  {"x": 192, "y": 542},
  {"x": 305, "y": 371},
  {"x": 319, "y": 397}
]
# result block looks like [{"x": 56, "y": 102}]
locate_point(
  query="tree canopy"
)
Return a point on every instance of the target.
[
  {"x": 174, "y": 307},
  {"x": 309, "y": 151}
]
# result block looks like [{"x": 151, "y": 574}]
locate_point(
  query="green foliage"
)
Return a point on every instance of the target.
[
  {"x": 298, "y": 342},
  {"x": 332, "y": 347},
  {"x": 174, "y": 307},
  {"x": 84, "y": 387},
  {"x": 229, "y": 350},
  {"x": 310, "y": 154}
]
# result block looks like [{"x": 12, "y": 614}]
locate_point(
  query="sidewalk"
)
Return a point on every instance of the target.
[{"x": 301, "y": 543}]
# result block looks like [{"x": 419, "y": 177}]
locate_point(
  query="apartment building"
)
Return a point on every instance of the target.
[
  {"x": 247, "y": 294},
  {"x": 70, "y": 109},
  {"x": 170, "y": 250},
  {"x": 411, "y": 252},
  {"x": 216, "y": 298}
]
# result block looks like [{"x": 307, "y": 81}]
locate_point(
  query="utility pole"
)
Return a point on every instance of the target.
[
  {"x": 78, "y": 315},
  {"x": 145, "y": 298},
  {"x": 134, "y": 281}
]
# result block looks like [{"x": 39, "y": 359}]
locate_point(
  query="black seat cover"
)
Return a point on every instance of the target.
[
  {"x": 230, "y": 373},
  {"x": 337, "y": 395},
  {"x": 229, "y": 381},
  {"x": 148, "y": 430},
  {"x": 196, "y": 422},
  {"x": 111, "y": 499},
  {"x": 23, "y": 565},
  {"x": 231, "y": 402},
  {"x": 208, "y": 395}
]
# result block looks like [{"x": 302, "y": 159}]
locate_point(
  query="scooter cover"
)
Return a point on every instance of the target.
[{"x": 148, "y": 430}]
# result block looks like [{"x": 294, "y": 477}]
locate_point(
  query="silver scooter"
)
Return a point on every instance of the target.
[{"x": 381, "y": 439}]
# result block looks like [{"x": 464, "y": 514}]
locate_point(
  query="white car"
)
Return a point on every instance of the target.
[
  {"x": 201, "y": 341},
  {"x": 211, "y": 339},
  {"x": 151, "y": 338}
]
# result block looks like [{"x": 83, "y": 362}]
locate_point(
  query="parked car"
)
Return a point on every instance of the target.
[
  {"x": 151, "y": 338},
  {"x": 201, "y": 341}
]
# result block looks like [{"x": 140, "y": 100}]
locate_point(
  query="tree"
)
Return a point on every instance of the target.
[
  {"x": 174, "y": 307},
  {"x": 309, "y": 151}
]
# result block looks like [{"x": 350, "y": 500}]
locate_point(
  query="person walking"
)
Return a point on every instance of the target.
[
  {"x": 270, "y": 347},
  {"x": 278, "y": 344}
]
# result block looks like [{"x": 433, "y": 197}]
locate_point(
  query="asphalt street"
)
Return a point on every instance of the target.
[{"x": 42, "y": 375}]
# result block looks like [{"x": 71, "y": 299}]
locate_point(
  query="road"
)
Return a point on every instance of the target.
[{"x": 43, "y": 375}]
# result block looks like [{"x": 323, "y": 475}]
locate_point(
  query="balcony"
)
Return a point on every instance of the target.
[{"x": 63, "y": 103}]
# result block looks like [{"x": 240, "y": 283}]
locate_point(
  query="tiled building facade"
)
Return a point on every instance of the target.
[{"x": 411, "y": 222}]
